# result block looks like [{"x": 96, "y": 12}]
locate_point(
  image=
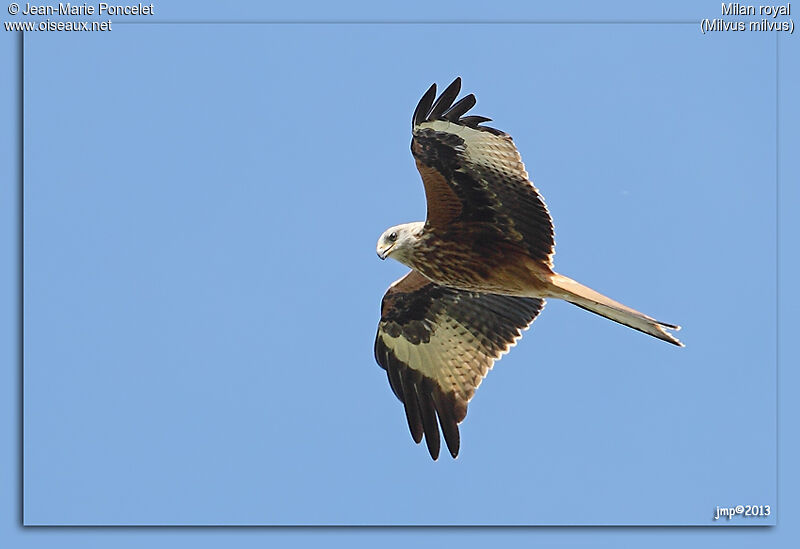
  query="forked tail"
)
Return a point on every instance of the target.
[{"x": 584, "y": 297}]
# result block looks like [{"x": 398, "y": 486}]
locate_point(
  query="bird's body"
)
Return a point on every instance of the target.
[
  {"x": 481, "y": 268},
  {"x": 456, "y": 258}
]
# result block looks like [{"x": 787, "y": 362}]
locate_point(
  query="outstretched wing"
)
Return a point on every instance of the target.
[
  {"x": 474, "y": 177},
  {"x": 437, "y": 344}
]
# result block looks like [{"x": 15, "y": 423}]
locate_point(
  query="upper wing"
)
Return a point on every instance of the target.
[
  {"x": 474, "y": 175},
  {"x": 437, "y": 344}
]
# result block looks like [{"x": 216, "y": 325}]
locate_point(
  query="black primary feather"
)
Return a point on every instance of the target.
[
  {"x": 431, "y": 108},
  {"x": 474, "y": 120},
  {"x": 424, "y": 106},
  {"x": 429, "y": 423},
  {"x": 462, "y": 106},
  {"x": 413, "y": 414},
  {"x": 445, "y": 100},
  {"x": 447, "y": 420}
]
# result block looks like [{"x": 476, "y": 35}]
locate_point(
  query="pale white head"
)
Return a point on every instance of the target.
[{"x": 398, "y": 242}]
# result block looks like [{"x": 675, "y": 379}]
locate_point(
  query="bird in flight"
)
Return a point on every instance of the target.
[{"x": 481, "y": 268}]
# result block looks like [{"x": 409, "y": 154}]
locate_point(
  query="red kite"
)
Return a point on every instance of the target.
[{"x": 482, "y": 265}]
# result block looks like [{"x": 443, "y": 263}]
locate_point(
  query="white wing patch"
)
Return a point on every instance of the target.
[
  {"x": 454, "y": 357},
  {"x": 483, "y": 147}
]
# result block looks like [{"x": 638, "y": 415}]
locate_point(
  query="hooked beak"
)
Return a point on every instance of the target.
[{"x": 384, "y": 253}]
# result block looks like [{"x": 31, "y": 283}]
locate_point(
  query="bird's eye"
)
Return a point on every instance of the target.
[{"x": 392, "y": 236}]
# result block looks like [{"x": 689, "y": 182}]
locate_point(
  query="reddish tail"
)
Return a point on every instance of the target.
[{"x": 576, "y": 293}]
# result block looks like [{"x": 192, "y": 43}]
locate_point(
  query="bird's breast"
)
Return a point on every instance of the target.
[{"x": 500, "y": 268}]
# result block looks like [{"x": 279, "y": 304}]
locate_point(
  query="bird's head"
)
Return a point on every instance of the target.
[{"x": 398, "y": 241}]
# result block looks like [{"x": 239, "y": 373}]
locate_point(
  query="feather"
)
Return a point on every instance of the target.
[
  {"x": 428, "y": 413},
  {"x": 424, "y": 107},
  {"x": 473, "y": 121},
  {"x": 447, "y": 419},
  {"x": 413, "y": 415},
  {"x": 464, "y": 104},
  {"x": 445, "y": 100}
]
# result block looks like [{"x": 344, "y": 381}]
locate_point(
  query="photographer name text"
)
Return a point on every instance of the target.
[{"x": 102, "y": 8}]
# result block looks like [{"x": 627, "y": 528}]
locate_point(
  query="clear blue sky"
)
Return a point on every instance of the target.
[{"x": 201, "y": 289}]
